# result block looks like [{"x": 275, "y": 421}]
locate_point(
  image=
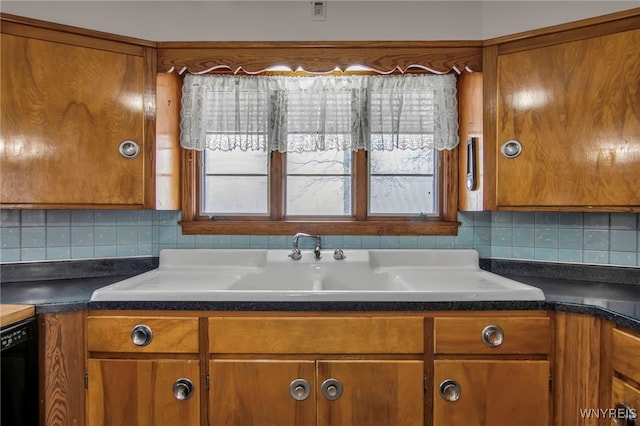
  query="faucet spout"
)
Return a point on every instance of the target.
[{"x": 318, "y": 245}]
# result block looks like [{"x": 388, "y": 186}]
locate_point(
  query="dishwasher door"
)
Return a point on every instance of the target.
[{"x": 19, "y": 375}]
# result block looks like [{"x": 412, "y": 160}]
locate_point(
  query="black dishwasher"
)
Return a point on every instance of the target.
[{"x": 19, "y": 368}]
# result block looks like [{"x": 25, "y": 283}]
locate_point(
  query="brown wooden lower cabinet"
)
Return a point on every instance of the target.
[
  {"x": 368, "y": 392},
  {"x": 374, "y": 393},
  {"x": 126, "y": 392},
  {"x": 301, "y": 377},
  {"x": 492, "y": 392},
  {"x": 256, "y": 392},
  {"x": 625, "y": 378}
]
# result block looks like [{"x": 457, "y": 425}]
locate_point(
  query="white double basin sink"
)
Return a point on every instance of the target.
[{"x": 246, "y": 275}]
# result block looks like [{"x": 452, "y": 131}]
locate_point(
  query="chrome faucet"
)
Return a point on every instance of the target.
[{"x": 296, "y": 254}]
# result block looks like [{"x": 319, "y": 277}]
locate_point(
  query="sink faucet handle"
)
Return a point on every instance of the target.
[
  {"x": 295, "y": 254},
  {"x": 338, "y": 254}
]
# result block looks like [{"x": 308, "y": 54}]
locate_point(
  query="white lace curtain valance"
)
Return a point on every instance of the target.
[{"x": 301, "y": 114}]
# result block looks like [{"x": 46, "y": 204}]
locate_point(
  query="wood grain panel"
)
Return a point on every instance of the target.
[
  {"x": 471, "y": 122},
  {"x": 167, "y": 153},
  {"x": 464, "y": 335},
  {"x": 286, "y": 227},
  {"x": 375, "y": 393},
  {"x": 626, "y": 354},
  {"x": 170, "y": 335},
  {"x": 127, "y": 392},
  {"x": 495, "y": 393},
  {"x": 489, "y": 125},
  {"x": 440, "y": 56},
  {"x": 392, "y": 335},
  {"x": 61, "y": 134},
  {"x": 256, "y": 393},
  {"x": 61, "y": 364},
  {"x": 51, "y": 31},
  {"x": 572, "y": 31},
  {"x": 576, "y": 371},
  {"x": 575, "y": 108}
]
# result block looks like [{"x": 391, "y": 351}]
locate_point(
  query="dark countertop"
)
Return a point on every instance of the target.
[{"x": 608, "y": 292}]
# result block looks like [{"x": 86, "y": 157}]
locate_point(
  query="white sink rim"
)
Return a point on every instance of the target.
[{"x": 185, "y": 275}]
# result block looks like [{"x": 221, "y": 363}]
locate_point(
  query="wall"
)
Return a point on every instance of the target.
[
  {"x": 291, "y": 20},
  {"x": 593, "y": 238}
]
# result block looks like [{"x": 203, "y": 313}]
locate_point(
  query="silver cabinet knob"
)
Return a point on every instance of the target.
[
  {"x": 625, "y": 415},
  {"x": 492, "y": 336},
  {"x": 141, "y": 335},
  {"x": 183, "y": 389},
  {"x": 299, "y": 389},
  {"x": 331, "y": 389},
  {"x": 511, "y": 148},
  {"x": 129, "y": 149},
  {"x": 450, "y": 390}
]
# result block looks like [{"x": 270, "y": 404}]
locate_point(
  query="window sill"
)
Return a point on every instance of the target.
[{"x": 371, "y": 227}]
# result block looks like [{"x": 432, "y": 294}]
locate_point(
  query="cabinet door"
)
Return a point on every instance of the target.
[
  {"x": 575, "y": 109},
  {"x": 257, "y": 393},
  {"x": 495, "y": 393},
  {"x": 65, "y": 111},
  {"x": 373, "y": 393},
  {"x": 141, "y": 393}
]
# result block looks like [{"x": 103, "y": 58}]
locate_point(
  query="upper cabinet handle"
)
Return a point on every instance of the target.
[
  {"x": 129, "y": 149},
  {"x": 511, "y": 148}
]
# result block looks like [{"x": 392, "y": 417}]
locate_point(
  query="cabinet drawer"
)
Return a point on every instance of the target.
[
  {"x": 326, "y": 335},
  {"x": 626, "y": 360},
  {"x": 524, "y": 335},
  {"x": 168, "y": 335}
]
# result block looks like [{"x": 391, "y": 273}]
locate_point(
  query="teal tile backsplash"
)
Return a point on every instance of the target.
[{"x": 598, "y": 238}]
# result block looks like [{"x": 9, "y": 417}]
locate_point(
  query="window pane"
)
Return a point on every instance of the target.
[
  {"x": 236, "y": 162},
  {"x": 236, "y": 195},
  {"x": 332, "y": 162},
  {"x": 318, "y": 195},
  {"x": 400, "y": 161},
  {"x": 401, "y": 195}
]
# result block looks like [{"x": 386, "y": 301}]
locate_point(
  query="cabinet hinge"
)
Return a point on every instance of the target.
[
  {"x": 426, "y": 383},
  {"x": 86, "y": 380},
  {"x": 206, "y": 382},
  {"x": 550, "y": 383}
]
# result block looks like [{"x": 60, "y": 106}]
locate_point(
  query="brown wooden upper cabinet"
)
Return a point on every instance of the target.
[
  {"x": 566, "y": 121},
  {"x": 69, "y": 101}
]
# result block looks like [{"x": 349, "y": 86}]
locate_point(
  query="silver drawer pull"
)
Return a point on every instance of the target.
[
  {"x": 331, "y": 389},
  {"x": 492, "y": 336},
  {"x": 141, "y": 335},
  {"x": 299, "y": 389},
  {"x": 450, "y": 390},
  {"x": 183, "y": 389}
]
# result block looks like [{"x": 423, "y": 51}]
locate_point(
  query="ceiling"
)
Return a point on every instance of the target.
[{"x": 292, "y": 20}]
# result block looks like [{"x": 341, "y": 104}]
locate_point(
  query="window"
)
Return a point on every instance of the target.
[{"x": 348, "y": 154}]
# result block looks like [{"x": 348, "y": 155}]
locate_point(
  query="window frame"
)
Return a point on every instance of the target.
[
  {"x": 360, "y": 223},
  {"x": 258, "y": 57}
]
